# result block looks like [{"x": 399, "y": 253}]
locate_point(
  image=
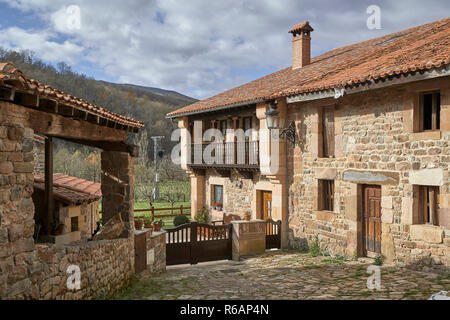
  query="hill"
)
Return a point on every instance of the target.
[
  {"x": 146, "y": 104},
  {"x": 168, "y": 96}
]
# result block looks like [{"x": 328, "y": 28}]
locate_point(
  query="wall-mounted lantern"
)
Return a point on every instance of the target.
[
  {"x": 272, "y": 116},
  {"x": 273, "y": 122}
]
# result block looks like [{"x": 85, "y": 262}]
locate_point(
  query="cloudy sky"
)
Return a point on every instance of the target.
[{"x": 196, "y": 47}]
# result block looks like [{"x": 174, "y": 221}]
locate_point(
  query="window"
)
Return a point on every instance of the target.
[
  {"x": 429, "y": 111},
  {"x": 73, "y": 224},
  {"x": 327, "y": 132},
  {"x": 326, "y": 189},
  {"x": 428, "y": 205},
  {"x": 218, "y": 194}
]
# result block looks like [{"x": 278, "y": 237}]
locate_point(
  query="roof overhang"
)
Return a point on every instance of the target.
[
  {"x": 443, "y": 71},
  {"x": 218, "y": 108}
]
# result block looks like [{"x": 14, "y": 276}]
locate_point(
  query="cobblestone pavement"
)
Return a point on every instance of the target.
[{"x": 284, "y": 275}]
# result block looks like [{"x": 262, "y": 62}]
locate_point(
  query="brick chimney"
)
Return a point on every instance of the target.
[{"x": 301, "y": 45}]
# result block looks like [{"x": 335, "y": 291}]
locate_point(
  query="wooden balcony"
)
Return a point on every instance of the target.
[{"x": 225, "y": 156}]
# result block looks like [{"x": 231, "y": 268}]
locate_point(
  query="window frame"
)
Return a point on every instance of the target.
[
  {"x": 218, "y": 186},
  {"x": 327, "y": 146},
  {"x": 428, "y": 205},
  {"x": 327, "y": 194},
  {"x": 435, "y": 113}
]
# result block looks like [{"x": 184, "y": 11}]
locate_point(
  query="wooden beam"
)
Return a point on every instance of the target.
[
  {"x": 58, "y": 126},
  {"x": 122, "y": 146},
  {"x": 49, "y": 204}
]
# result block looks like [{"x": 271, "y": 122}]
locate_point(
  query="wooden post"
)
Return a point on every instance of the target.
[
  {"x": 181, "y": 209},
  {"x": 49, "y": 218},
  {"x": 194, "y": 247},
  {"x": 152, "y": 210}
]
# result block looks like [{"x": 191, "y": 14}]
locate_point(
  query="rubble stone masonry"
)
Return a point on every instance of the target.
[
  {"x": 39, "y": 271},
  {"x": 375, "y": 143}
]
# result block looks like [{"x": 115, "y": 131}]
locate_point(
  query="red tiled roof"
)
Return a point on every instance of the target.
[
  {"x": 39, "y": 138},
  {"x": 419, "y": 48},
  {"x": 10, "y": 76},
  {"x": 71, "y": 190},
  {"x": 301, "y": 26}
]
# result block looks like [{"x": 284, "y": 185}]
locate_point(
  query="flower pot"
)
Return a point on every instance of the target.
[
  {"x": 138, "y": 224},
  {"x": 247, "y": 217},
  {"x": 157, "y": 227}
]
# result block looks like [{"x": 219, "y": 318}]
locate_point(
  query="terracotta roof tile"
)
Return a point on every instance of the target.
[
  {"x": 71, "y": 190},
  {"x": 12, "y": 77},
  {"x": 411, "y": 50}
]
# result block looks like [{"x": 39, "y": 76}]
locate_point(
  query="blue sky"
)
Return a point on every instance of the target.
[{"x": 197, "y": 47}]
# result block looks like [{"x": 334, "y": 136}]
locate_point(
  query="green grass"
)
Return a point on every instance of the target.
[{"x": 168, "y": 221}]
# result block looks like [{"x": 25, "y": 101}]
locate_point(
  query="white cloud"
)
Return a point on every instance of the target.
[
  {"x": 16, "y": 38},
  {"x": 202, "y": 47}
]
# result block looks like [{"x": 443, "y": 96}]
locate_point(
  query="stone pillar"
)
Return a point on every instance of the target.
[
  {"x": 118, "y": 187},
  {"x": 197, "y": 193},
  {"x": 16, "y": 210},
  {"x": 185, "y": 142},
  {"x": 249, "y": 238}
]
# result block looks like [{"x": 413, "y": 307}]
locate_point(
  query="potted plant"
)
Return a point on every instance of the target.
[
  {"x": 138, "y": 223},
  {"x": 157, "y": 225},
  {"x": 218, "y": 206},
  {"x": 247, "y": 215},
  {"x": 148, "y": 220}
]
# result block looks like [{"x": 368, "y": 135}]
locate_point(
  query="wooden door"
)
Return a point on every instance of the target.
[
  {"x": 140, "y": 252},
  {"x": 372, "y": 220},
  {"x": 267, "y": 205}
]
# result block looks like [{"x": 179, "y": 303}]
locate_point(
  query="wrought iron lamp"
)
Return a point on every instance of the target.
[
  {"x": 272, "y": 116},
  {"x": 272, "y": 121}
]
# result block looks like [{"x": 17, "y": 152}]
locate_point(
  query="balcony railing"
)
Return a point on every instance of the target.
[{"x": 225, "y": 154}]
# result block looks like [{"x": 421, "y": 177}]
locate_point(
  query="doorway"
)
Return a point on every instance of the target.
[
  {"x": 266, "y": 205},
  {"x": 371, "y": 220}
]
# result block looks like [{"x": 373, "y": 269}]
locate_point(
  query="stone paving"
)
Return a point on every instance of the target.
[{"x": 284, "y": 275}]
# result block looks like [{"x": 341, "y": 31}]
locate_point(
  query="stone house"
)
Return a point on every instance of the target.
[
  {"x": 350, "y": 147},
  {"x": 31, "y": 270},
  {"x": 76, "y": 206}
]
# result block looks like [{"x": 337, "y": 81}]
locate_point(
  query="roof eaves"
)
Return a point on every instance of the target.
[
  {"x": 217, "y": 108},
  {"x": 369, "y": 84}
]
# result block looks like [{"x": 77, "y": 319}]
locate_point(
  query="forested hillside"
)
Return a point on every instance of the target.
[{"x": 146, "y": 104}]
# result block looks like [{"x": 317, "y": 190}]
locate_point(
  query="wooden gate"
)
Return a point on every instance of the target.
[
  {"x": 273, "y": 234},
  {"x": 197, "y": 242},
  {"x": 140, "y": 252},
  {"x": 372, "y": 220}
]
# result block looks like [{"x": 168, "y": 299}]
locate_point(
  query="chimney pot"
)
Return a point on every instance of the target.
[{"x": 301, "y": 45}]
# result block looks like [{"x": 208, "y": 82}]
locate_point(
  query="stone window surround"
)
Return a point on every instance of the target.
[
  {"x": 212, "y": 180},
  {"x": 324, "y": 174},
  {"x": 411, "y": 109}
]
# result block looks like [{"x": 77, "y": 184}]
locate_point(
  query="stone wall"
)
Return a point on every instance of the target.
[
  {"x": 39, "y": 271},
  {"x": 375, "y": 144},
  {"x": 249, "y": 238},
  {"x": 156, "y": 252},
  {"x": 106, "y": 266},
  {"x": 238, "y": 193}
]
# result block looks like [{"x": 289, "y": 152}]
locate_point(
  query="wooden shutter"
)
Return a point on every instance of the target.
[{"x": 328, "y": 132}]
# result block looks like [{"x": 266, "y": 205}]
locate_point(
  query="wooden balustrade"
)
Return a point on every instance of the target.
[{"x": 245, "y": 153}]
